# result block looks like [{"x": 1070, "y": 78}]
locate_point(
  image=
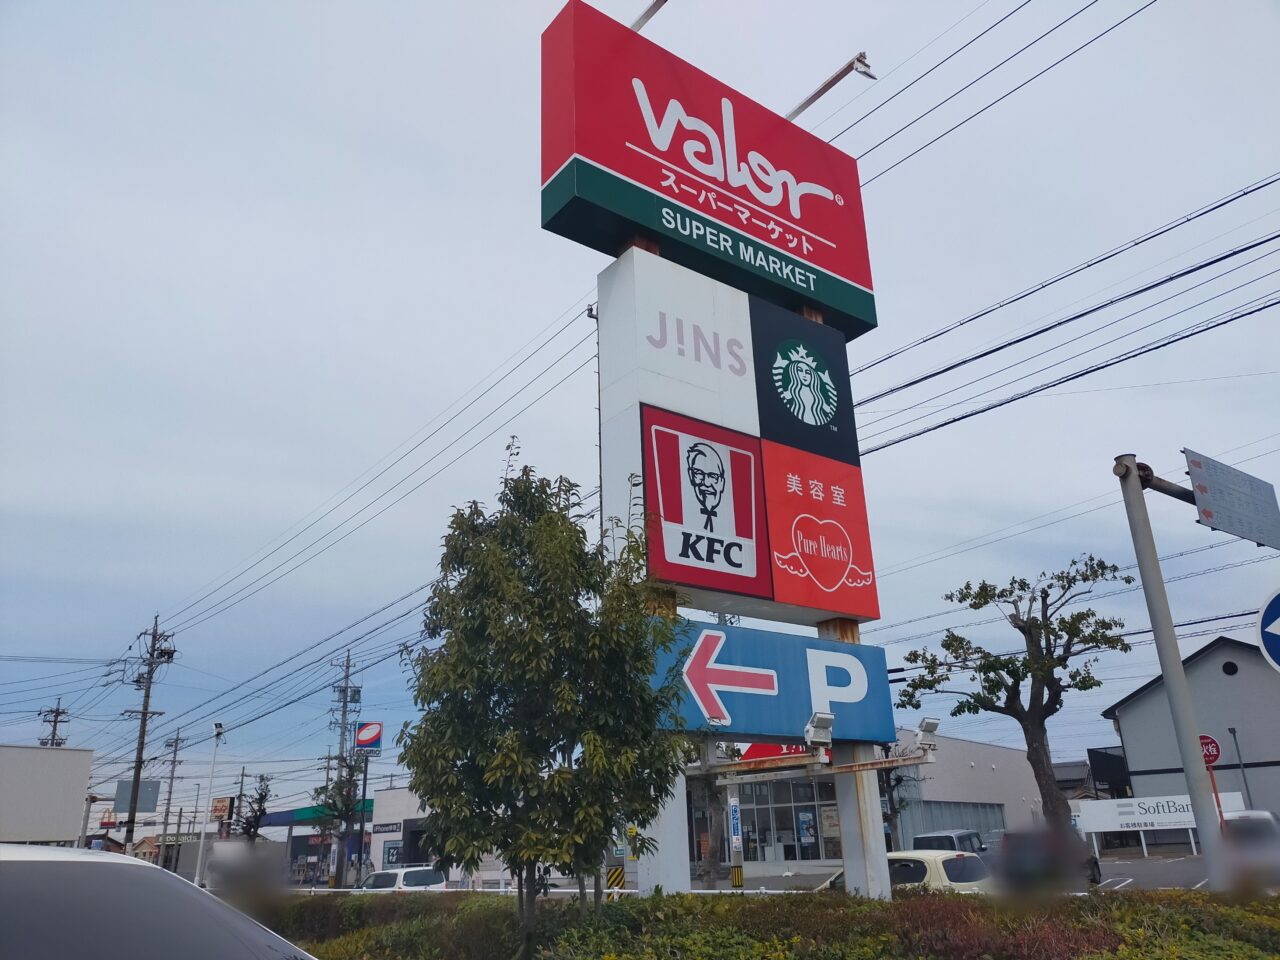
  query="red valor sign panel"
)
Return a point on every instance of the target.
[
  {"x": 636, "y": 140},
  {"x": 820, "y": 544},
  {"x": 704, "y": 504}
]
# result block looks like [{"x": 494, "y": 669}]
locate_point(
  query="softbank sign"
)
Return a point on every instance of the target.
[{"x": 636, "y": 140}]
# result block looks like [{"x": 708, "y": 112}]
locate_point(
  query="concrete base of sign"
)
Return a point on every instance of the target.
[
  {"x": 866, "y": 866},
  {"x": 668, "y": 866}
]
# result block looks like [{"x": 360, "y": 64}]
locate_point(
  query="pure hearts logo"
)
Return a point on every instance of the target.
[{"x": 823, "y": 552}]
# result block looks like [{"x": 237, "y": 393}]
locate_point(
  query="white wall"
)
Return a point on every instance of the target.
[
  {"x": 42, "y": 791},
  {"x": 968, "y": 771},
  {"x": 1248, "y": 699}
]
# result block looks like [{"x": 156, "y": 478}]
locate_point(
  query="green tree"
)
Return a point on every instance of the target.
[
  {"x": 541, "y": 735},
  {"x": 1028, "y": 684},
  {"x": 340, "y": 801},
  {"x": 249, "y": 819}
]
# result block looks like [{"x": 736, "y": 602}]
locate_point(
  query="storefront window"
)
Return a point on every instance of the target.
[
  {"x": 802, "y": 791},
  {"x": 807, "y": 832},
  {"x": 781, "y": 791}
]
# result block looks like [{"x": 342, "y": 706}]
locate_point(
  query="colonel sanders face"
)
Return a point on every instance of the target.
[{"x": 706, "y": 476}]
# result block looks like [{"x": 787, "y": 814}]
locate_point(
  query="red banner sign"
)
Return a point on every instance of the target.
[{"x": 636, "y": 140}]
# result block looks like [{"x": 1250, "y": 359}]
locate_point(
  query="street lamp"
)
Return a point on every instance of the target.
[
  {"x": 1244, "y": 778},
  {"x": 200, "y": 823}
]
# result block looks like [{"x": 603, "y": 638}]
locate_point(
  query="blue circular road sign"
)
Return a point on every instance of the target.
[{"x": 1269, "y": 628}]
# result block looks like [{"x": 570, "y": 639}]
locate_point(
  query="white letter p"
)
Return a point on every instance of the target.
[{"x": 821, "y": 692}]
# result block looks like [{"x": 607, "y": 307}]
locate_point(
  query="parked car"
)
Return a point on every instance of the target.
[
  {"x": 967, "y": 840},
  {"x": 1252, "y": 842},
  {"x": 1045, "y": 859},
  {"x": 88, "y": 905},
  {"x": 406, "y": 880},
  {"x": 947, "y": 870}
]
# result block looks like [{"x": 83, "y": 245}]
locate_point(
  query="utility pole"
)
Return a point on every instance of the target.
[
  {"x": 348, "y": 695},
  {"x": 174, "y": 742},
  {"x": 1135, "y": 479},
  {"x": 159, "y": 652},
  {"x": 239, "y": 810},
  {"x": 53, "y": 716}
]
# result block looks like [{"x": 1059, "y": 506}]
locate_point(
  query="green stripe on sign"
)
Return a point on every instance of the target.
[{"x": 602, "y": 210}]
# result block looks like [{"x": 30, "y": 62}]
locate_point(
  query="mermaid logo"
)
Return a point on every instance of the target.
[{"x": 803, "y": 383}]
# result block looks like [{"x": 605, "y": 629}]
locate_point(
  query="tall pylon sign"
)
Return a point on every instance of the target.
[{"x": 726, "y": 415}]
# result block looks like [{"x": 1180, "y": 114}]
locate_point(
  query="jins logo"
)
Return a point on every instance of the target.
[
  {"x": 715, "y": 155},
  {"x": 703, "y": 348}
]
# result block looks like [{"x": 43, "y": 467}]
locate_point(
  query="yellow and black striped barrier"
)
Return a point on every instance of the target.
[
  {"x": 615, "y": 879},
  {"x": 735, "y": 876}
]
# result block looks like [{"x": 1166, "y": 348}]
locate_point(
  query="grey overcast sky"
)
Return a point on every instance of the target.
[{"x": 247, "y": 249}]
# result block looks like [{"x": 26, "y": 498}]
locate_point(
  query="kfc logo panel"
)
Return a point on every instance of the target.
[
  {"x": 820, "y": 542},
  {"x": 704, "y": 503}
]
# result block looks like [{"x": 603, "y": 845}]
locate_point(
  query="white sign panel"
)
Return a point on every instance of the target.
[
  {"x": 1233, "y": 501},
  {"x": 675, "y": 338},
  {"x": 1145, "y": 813}
]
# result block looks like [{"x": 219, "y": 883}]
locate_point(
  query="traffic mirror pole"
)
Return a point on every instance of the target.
[{"x": 1176, "y": 687}]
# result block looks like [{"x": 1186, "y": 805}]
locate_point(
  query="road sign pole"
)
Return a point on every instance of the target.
[
  {"x": 1175, "y": 679},
  {"x": 1217, "y": 800}
]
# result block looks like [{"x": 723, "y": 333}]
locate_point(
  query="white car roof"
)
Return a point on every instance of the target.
[{"x": 30, "y": 852}]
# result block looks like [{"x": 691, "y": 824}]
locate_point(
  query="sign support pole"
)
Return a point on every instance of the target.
[
  {"x": 866, "y": 864},
  {"x": 1175, "y": 678}
]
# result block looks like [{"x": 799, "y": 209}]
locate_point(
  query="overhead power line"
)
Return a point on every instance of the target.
[
  {"x": 1074, "y": 317},
  {"x": 1197, "y": 330},
  {"x": 942, "y": 62},
  {"x": 931, "y": 409},
  {"x": 1191, "y": 217},
  {"x": 1005, "y": 96},
  {"x": 381, "y": 473}
]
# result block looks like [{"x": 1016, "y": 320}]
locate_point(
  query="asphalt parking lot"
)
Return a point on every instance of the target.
[{"x": 1129, "y": 872}]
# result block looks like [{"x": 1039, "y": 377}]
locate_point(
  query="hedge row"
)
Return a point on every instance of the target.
[{"x": 1138, "y": 926}]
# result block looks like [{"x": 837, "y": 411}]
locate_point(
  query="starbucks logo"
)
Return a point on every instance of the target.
[{"x": 803, "y": 383}]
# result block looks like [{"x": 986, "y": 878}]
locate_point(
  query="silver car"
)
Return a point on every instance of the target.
[{"x": 69, "y": 904}]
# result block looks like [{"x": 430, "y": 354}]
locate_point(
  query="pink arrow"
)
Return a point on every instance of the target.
[
  {"x": 1208, "y": 514},
  {"x": 707, "y": 679},
  {"x": 1196, "y": 463},
  {"x": 1202, "y": 488}
]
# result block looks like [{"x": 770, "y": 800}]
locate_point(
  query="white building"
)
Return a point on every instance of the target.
[
  {"x": 790, "y": 824},
  {"x": 42, "y": 793},
  {"x": 1236, "y": 697}
]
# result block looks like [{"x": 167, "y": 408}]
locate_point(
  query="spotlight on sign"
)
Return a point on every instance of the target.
[{"x": 817, "y": 732}]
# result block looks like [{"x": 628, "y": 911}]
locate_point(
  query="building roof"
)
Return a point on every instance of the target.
[{"x": 1216, "y": 644}]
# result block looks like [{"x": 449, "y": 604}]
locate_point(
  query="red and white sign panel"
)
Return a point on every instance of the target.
[
  {"x": 820, "y": 542},
  {"x": 1210, "y": 748},
  {"x": 634, "y": 136},
  {"x": 704, "y": 504}
]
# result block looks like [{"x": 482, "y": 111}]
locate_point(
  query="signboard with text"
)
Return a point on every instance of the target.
[
  {"x": 1146, "y": 813},
  {"x": 763, "y": 684},
  {"x": 636, "y": 140},
  {"x": 1211, "y": 749},
  {"x": 1233, "y": 501},
  {"x": 735, "y": 417},
  {"x": 222, "y": 808}
]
